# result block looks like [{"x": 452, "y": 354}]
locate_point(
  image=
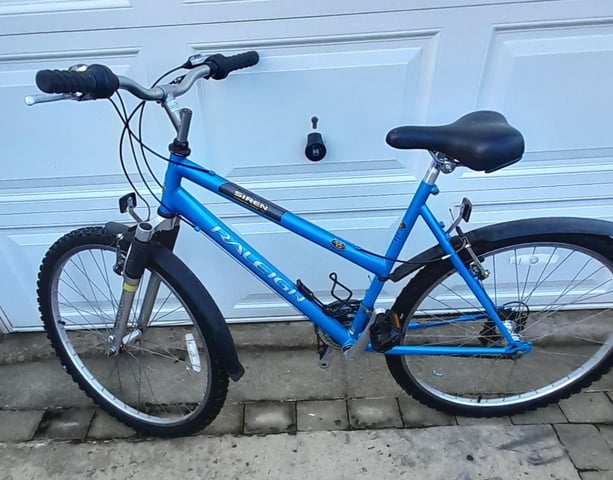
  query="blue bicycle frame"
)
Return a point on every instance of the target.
[{"x": 176, "y": 200}]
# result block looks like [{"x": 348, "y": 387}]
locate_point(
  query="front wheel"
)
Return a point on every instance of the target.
[
  {"x": 555, "y": 291},
  {"x": 166, "y": 380}
]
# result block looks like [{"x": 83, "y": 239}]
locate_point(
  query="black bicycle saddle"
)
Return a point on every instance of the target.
[{"x": 482, "y": 141}]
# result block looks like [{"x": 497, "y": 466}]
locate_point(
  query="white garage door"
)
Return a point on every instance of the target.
[{"x": 361, "y": 67}]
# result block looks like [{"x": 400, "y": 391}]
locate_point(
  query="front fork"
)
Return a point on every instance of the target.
[{"x": 133, "y": 271}]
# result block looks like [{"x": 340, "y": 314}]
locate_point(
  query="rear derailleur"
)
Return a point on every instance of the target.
[{"x": 514, "y": 316}]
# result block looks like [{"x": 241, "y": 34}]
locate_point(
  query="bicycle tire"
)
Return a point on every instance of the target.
[
  {"x": 575, "y": 337},
  {"x": 173, "y": 382}
]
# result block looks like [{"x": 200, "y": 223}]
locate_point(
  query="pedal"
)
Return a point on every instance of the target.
[{"x": 385, "y": 332}]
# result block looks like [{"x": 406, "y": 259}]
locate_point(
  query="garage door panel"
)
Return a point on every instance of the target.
[
  {"x": 67, "y": 127},
  {"x": 542, "y": 171},
  {"x": 357, "y": 89},
  {"x": 591, "y": 206},
  {"x": 362, "y": 67},
  {"x": 34, "y": 16},
  {"x": 541, "y": 201},
  {"x": 8, "y": 7},
  {"x": 20, "y": 253},
  {"x": 552, "y": 79}
]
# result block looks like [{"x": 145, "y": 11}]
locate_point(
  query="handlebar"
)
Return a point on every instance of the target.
[
  {"x": 98, "y": 81},
  {"x": 221, "y": 66}
]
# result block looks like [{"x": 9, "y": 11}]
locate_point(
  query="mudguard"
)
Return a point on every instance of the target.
[
  {"x": 208, "y": 313},
  {"x": 507, "y": 231},
  {"x": 207, "y": 310}
]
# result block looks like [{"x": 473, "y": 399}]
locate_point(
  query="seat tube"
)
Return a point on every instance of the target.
[
  {"x": 426, "y": 188},
  {"x": 469, "y": 277}
]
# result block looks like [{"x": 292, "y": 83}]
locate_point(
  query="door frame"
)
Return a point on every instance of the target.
[{"x": 4, "y": 326}]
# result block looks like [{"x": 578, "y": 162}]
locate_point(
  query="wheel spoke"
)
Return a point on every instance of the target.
[
  {"x": 150, "y": 381},
  {"x": 562, "y": 303}
]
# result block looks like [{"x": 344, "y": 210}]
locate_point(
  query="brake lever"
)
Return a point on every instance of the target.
[{"x": 55, "y": 97}]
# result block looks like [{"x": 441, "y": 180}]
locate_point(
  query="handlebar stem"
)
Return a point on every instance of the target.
[
  {"x": 186, "y": 118},
  {"x": 171, "y": 107}
]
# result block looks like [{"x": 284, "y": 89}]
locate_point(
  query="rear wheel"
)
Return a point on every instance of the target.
[
  {"x": 168, "y": 380},
  {"x": 555, "y": 291}
]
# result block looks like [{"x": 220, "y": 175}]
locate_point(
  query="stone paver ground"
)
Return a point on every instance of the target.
[{"x": 284, "y": 392}]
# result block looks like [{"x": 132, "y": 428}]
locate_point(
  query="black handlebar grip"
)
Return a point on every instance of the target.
[
  {"x": 98, "y": 81},
  {"x": 221, "y": 65}
]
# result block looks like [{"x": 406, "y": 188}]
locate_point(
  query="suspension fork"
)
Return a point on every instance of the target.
[
  {"x": 134, "y": 268},
  {"x": 167, "y": 238},
  {"x": 167, "y": 230}
]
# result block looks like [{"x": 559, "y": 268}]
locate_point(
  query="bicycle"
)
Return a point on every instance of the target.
[{"x": 139, "y": 333}]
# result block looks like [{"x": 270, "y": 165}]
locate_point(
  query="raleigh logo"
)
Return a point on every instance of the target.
[
  {"x": 261, "y": 266},
  {"x": 251, "y": 201}
]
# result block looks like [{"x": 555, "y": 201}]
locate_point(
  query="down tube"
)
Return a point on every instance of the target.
[{"x": 222, "y": 235}]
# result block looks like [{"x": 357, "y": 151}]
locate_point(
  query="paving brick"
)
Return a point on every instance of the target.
[
  {"x": 39, "y": 386},
  {"x": 369, "y": 377},
  {"x": 586, "y": 446},
  {"x": 25, "y": 347},
  {"x": 270, "y": 417},
  {"x": 471, "y": 421},
  {"x": 414, "y": 414},
  {"x": 229, "y": 420},
  {"x": 608, "y": 475},
  {"x": 19, "y": 426},
  {"x": 605, "y": 384},
  {"x": 69, "y": 424},
  {"x": 104, "y": 426},
  {"x": 607, "y": 432},
  {"x": 527, "y": 452},
  {"x": 290, "y": 335},
  {"x": 374, "y": 413},
  {"x": 549, "y": 414},
  {"x": 287, "y": 375},
  {"x": 322, "y": 415},
  {"x": 588, "y": 408}
]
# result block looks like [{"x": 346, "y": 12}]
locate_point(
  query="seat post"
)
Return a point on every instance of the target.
[{"x": 440, "y": 163}]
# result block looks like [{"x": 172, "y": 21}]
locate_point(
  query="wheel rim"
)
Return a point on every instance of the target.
[
  {"x": 155, "y": 379},
  {"x": 568, "y": 291}
]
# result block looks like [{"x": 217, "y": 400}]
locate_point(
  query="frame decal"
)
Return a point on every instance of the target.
[
  {"x": 251, "y": 201},
  {"x": 259, "y": 264}
]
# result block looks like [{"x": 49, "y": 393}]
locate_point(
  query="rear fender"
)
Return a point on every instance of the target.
[{"x": 508, "y": 231}]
